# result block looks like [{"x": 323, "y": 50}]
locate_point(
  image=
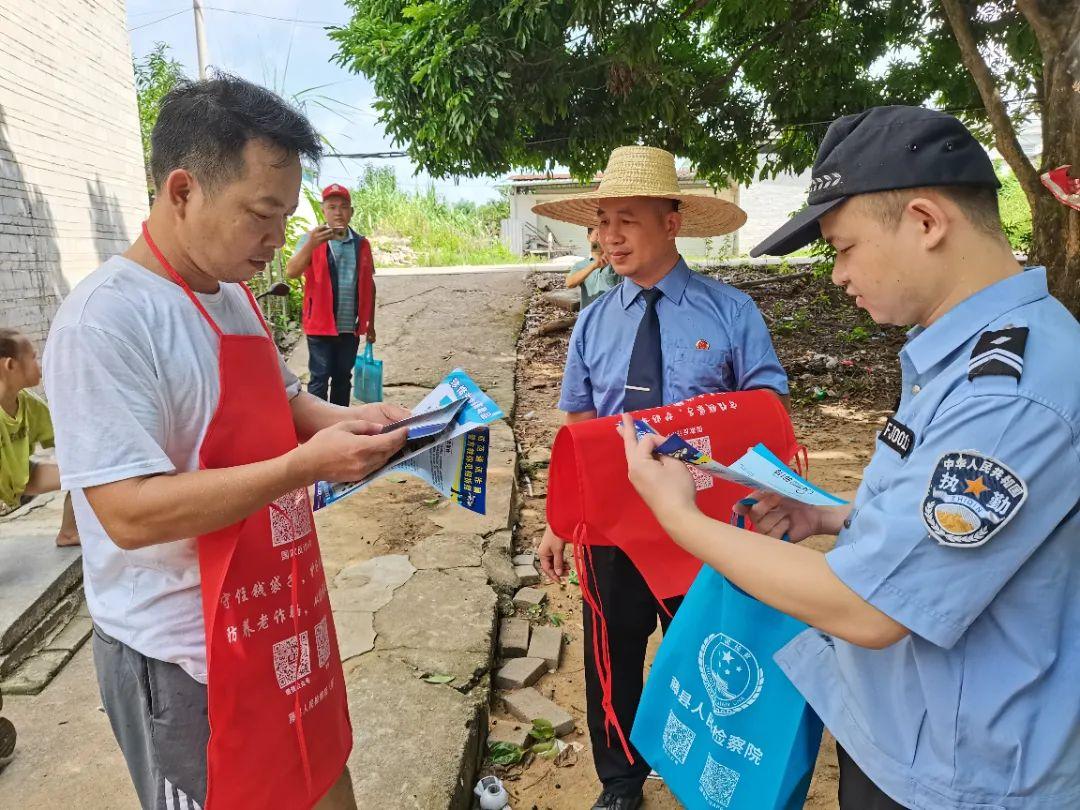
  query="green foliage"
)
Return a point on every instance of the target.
[
  {"x": 155, "y": 75},
  {"x": 1015, "y": 211},
  {"x": 505, "y": 753},
  {"x": 438, "y": 232},
  {"x": 857, "y": 335},
  {"x": 542, "y": 730},
  {"x": 483, "y": 86},
  {"x": 797, "y": 321}
]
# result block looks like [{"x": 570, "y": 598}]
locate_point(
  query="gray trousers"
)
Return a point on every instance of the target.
[{"x": 159, "y": 716}]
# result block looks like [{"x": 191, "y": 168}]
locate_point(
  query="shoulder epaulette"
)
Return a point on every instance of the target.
[{"x": 999, "y": 353}]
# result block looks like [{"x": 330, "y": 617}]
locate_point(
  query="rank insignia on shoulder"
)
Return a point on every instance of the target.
[
  {"x": 970, "y": 498},
  {"x": 999, "y": 353}
]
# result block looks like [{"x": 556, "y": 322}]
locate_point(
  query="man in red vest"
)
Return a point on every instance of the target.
[{"x": 339, "y": 296}]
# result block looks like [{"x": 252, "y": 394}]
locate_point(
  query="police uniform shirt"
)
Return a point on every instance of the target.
[
  {"x": 966, "y": 530},
  {"x": 712, "y": 338}
]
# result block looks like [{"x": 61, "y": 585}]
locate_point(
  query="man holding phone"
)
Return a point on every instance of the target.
[{"x": 339, "y": 296}]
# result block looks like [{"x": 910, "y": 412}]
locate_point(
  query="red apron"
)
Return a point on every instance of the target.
[
  {"x": 592, "y": 503},
  {"x": 279, "y": 721}
]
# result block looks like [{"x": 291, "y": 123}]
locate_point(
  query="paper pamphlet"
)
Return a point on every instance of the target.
[
  {"x": 759, "y": 468},
  {"x": 447, "y": 445}
]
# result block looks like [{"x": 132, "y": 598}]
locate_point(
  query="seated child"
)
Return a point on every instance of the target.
[{"x": 24, "y": 425}]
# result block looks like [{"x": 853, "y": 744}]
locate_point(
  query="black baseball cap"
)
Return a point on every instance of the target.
[{"x": 883, "y": 149}]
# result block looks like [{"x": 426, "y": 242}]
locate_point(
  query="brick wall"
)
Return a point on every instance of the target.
[{"x": 72, "y": 187}]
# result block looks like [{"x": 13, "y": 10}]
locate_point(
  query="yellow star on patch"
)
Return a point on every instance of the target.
[{"x": 976, "y": 487}]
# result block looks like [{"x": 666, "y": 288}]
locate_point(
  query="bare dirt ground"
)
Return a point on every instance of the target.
[{"x": 818, "y": 340}]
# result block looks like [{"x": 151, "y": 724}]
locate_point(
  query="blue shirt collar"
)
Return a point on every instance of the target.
[
  {"x": 673, "y": 285},
  {"x": 928, "y": 347}
]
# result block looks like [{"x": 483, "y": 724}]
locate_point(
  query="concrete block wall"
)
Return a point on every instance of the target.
[{"x": 72, "y": 183}]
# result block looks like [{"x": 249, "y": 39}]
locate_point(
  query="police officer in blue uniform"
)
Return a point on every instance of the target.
[
  {"x": 664, "y": 334},
  {"x": 944, "y": 649}
]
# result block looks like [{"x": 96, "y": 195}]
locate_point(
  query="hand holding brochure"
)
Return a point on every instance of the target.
[
  {"x": 757, "y": 469},
  {"x": 446, "y": 445}
]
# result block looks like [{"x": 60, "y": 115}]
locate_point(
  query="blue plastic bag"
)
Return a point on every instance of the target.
[
  {"x": 367, "y": 376},
  {"x": 719, "y": 720}
]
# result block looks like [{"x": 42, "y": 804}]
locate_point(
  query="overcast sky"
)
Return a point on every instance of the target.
[{"x": 288, "y": 57}]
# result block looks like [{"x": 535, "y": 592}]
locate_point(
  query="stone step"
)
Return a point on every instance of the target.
[
  {"x": 35, "y": 575},
  {"x": 37, "y": 671},
  {"x": 529, "y": 597},
  {"x": 547, "y": 645},
  {"x": 529, "y": 705},
  {"x": 53, "y": 623},
  {"x": 514, "y": 732},
  {"x": 517, "y": 673},
  {"x": 513, "y": 638}
]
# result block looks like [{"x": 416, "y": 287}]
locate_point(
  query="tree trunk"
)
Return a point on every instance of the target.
[
  {"x": 1056, "y": 227},
  {"x": 1056, "y": 243}
]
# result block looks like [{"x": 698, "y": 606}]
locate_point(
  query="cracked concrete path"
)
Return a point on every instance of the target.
[{"x": 411, "y": 581}]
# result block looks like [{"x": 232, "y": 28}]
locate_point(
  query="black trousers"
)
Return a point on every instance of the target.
[
  {"x": 631, "y": 612},
  {"x": 331, "y": 359},
  {"x": 857, "y": 792}
]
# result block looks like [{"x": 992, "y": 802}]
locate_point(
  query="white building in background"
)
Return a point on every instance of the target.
[
  {"x": 523, "y": 227},
  {"x": 72, "y": 184},
  {"x": 768, "y": 204}
]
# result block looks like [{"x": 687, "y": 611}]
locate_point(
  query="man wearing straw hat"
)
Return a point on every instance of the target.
[{"x": 664, "y": 334}]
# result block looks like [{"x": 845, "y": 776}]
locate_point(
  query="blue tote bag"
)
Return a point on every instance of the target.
[
  {"x": 719, "y": 720},
  {"x": 367, "y": 376}
]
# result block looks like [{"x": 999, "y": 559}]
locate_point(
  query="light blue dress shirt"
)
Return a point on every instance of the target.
[
  {"x": 979, "y": 707},
  {"x": 712, "y": 338}
]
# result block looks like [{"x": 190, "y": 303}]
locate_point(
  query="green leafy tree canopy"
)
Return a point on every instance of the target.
[{"x": 155, "y": 75}]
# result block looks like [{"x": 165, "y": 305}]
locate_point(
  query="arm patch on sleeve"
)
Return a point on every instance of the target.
[{"x": 970, "y": 498}]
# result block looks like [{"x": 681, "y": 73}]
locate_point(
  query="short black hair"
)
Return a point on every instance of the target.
[
  {"x": 203, "y": 127},
  {"x": 12, "y": 342},
  {"x": 978, "y": 203}
]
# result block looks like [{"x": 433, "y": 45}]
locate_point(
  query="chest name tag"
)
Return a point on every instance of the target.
[
  {"x": 970, "y": 498},
  {"x": 897, "y": 436}
]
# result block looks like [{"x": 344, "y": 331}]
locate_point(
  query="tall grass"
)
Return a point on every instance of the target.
[{"x": 438, "y": 232}]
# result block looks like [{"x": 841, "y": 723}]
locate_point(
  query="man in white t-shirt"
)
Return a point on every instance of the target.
[{"x": 146, "y": 404}]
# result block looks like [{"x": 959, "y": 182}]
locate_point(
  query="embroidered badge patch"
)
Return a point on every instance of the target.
[
  {"x": 703, "y": 345},
  {"x": 970, "y": 498}
]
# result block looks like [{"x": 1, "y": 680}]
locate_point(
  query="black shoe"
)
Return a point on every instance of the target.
[
  {"x": 7, "y": 742},
  {"x": 609, "y": 801}
]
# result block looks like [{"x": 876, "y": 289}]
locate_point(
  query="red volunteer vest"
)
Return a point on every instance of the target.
[
  {"x": 279, "y": 721},
  {"x": 318, "y": 316},
  {"x": 591, "y": 501}
]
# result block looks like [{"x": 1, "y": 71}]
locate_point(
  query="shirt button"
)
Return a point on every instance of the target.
[{"x": 916, "y": 389}]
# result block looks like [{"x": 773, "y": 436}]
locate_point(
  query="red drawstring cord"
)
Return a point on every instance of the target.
[
  {"x": 583, "y": 561},
  {"x": 801, "y": 460}
]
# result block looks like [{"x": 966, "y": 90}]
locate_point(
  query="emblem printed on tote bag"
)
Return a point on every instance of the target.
[{"x": 731, "y": 674}]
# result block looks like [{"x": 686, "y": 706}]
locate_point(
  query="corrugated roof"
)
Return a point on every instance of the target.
[{"x": 538, "y": 178}]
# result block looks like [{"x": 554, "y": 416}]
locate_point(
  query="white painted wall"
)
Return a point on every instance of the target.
[
  {"x": 769, "y": 204},
  {"x": 72, "y": 184},
  {"x": 524, "y": 199}
]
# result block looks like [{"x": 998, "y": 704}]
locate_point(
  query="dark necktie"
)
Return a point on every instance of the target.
[{"x": 644, "y": 377}]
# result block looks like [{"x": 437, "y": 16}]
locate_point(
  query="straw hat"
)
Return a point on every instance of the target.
[{"x": 645, "y": 171}]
